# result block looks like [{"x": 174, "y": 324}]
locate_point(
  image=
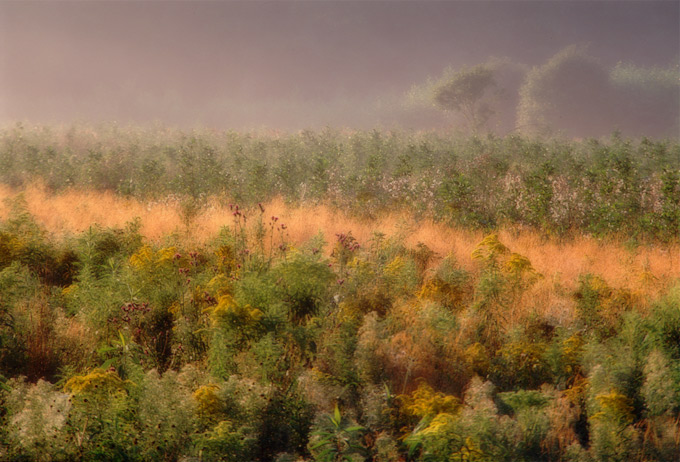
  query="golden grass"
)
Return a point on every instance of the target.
[{"x": 644, "y": 269}]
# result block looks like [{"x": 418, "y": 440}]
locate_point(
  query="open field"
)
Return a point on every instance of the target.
[{"x": 140, "y": 322}]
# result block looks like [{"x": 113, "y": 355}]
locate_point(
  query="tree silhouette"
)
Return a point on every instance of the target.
[{"x": 464, "y": 93}]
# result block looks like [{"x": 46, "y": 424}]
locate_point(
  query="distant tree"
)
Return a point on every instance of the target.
[
  {"x": 497, "y": 103},
  {"x": 464, "y": 92},
  {"x": 569, "y": 93}
]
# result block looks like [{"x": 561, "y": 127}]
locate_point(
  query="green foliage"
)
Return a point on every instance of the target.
[
  {"x": 476, "y": 434},
  {"x": 192, "y": 356},
  {"x": 100, "y": 422},
  {"x": 591, "y": 302},
  {"x": 16, "y": 283},
  {"x": 603, "y": 186},
  {"x": 285, "y": 425},
  {"x": 303, "y": 281},
  {"x": 449, "y": 285},
  {"x": 530, "y": 410},
  {"x": 164, "y": 415},
  {"x": 337, "y": 439},
  {"x": 224, "y": 443},
  {"x": 23, "y": 241},
  {"x": 521, "y": 364},
  {"x": 664, "y": 323},
  {"x": 505, "y": 277},
  {"x": 233, "y": 350},
  {"x": 661, "y": 388},
  {"x": 37, "y": 429}
]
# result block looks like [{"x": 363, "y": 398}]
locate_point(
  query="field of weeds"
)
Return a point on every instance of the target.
[{"x": 383, "y": 296}]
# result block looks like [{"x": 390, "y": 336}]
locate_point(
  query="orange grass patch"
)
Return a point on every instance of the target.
[{"x": 643, "y": 268}]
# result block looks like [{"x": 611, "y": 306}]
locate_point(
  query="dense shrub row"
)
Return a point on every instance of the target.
[
  {"x": 596, "y": 187},
  {"x": 248, "y": 348}
]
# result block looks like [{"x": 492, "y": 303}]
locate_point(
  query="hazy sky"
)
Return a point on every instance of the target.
[{"x": 241, "y": 63}]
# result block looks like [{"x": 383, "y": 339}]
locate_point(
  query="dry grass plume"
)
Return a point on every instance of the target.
[{"x": 644, "y": 269}]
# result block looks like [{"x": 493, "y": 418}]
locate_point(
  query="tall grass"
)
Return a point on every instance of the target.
[{"x": 619, "y": 261}]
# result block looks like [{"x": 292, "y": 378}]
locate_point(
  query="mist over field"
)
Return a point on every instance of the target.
[{"x": 293, "y": 65}]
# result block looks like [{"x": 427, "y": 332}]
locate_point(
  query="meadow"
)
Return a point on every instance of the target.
[{"x": 337, "y": 295}]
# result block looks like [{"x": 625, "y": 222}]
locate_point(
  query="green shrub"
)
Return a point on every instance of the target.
[{"x": 336, "y": 438}]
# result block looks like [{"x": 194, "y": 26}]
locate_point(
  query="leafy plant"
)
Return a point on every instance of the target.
[{"x": 336, "y": 439}]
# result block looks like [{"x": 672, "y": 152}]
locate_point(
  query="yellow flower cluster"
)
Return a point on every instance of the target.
[
  {"x": 208, "y": 403},
  {"x": 229, "y": 311},
  {"x": 489, "y": 249},
  {"x": 572, "y": 349},
  {"x": 525, "y": 356},
  {"x": 424, "y": 401},
  {"x": 145, "y": 258},
  {"x": 516, "y": 267},
  {"x": 97, "y": 381},
  {"x": 614, "y": 406},
  {"x": 395, "y": 267}
]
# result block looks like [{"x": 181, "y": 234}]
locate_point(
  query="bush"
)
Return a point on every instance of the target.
[{"x": 570, "y": 93}]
